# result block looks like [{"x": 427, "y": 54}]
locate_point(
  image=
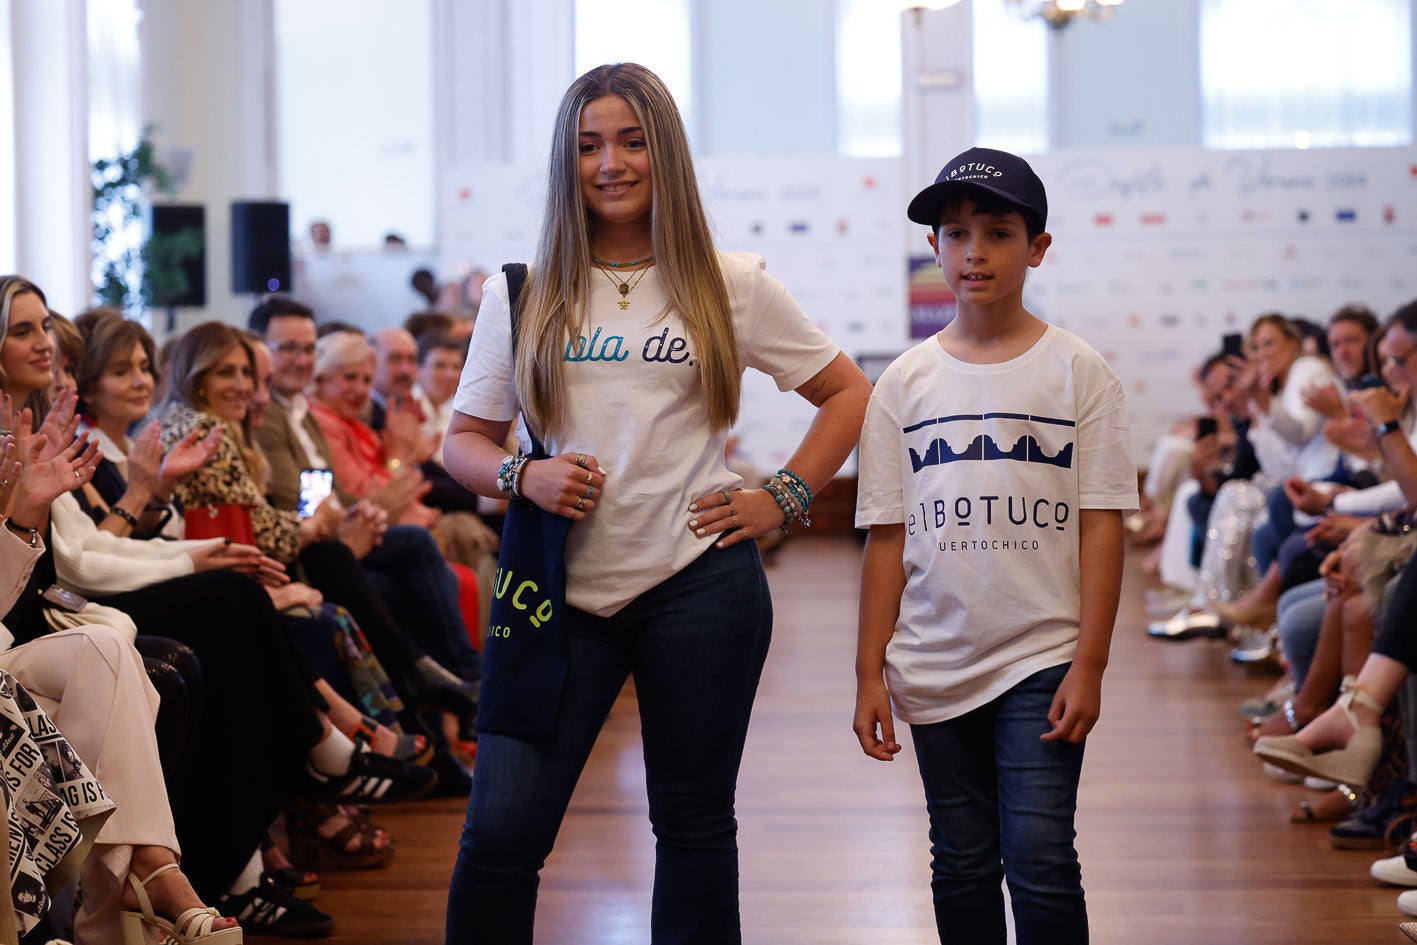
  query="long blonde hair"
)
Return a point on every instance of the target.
[
  {"x": 196, "y": 353},
  {"x": 11, "y": 288},
  {"x": 684, "y": 253}
]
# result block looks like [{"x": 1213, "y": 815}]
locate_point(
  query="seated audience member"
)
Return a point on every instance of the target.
[
  {"x": 428, "y": 323},
  {"x": 400, "y": 415},
  {"x": 1287, "y": 554},
  {"x": 1287, "y": 439},
  {"x": 91, "y": 682},
  {"x": 367, "y": 463},
  {"x": 204, "y": 397},
  {"x": 1170, "y": 457},
  {"x": 406, "y": 567},
  {"x": 366, "y": 460},
  {"x": 202, "y": 594},
  {"x": 440, "y": 362},
  {"x": 68, "y": 350}
]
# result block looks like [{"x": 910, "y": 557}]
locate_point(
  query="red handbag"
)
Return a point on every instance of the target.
[{"x": 221, "y": 520}]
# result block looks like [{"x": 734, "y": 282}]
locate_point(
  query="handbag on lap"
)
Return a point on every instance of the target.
[
  {"x": 221, "y": 520},
  {"x": 524, "y": 661}
]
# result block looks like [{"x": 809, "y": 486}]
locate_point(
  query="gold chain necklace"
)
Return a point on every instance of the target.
[{"x": 625, "y": 285}]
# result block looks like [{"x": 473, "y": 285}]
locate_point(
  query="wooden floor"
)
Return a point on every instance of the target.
[{"x": 1182, "y": 839}]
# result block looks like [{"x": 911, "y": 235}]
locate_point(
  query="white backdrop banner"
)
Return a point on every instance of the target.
[
  {"x": 1156, "y": 252},
  {"x": 828, "y": 227}
]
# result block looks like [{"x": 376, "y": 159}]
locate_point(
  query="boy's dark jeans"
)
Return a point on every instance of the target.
[
  {"x": 696, "y": 645},
  {"x": 994, "y": 793}
]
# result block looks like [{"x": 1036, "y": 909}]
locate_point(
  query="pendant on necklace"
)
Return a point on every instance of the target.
[{"x": 624, "y": 302}]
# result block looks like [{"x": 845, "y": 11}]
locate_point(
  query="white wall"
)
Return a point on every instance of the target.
[
  {"x": 765, "y": 77},
  {"x": 1134, "y": 81},
  {"x": 355, "y": 106}
]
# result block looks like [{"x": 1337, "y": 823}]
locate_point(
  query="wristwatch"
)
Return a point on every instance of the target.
[{"x": 1392, "y": 426}]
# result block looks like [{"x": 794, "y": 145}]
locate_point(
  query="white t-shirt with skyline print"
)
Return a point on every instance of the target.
[{"x": 987, "y": 465}]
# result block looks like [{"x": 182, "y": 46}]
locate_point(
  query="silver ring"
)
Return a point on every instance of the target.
[{"x": 78, "y": 474}]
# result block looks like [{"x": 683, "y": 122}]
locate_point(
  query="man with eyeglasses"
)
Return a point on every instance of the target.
[{"x": 289, "y": 435}]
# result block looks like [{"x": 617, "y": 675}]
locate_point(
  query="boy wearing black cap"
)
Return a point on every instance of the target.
[{"x": 995, "y": 467}]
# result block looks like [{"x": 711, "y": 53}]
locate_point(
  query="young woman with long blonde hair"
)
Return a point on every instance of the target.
[{"x": 632, "y": 341}]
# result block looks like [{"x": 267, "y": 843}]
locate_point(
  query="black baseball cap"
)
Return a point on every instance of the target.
[{"x": 1002, "y": 174}]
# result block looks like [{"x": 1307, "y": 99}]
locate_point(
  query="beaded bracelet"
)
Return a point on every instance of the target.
[
  {"x": 509, "y": 475},
  {"x": 792, "y": 498},
  {"x": 783, "y": 499},
  {"x": 797, "y": 483},
  {"x": 125, "y": 515}
]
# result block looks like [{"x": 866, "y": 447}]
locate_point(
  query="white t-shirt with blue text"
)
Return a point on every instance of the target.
[
  {"x": 635, "y": 402},
  {"x": 987, "y": 465}
]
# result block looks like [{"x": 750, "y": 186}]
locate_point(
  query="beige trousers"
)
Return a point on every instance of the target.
[{"x": 91, "y": 683}]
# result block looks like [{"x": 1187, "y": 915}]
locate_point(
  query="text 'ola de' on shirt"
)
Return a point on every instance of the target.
[{"x": 635, "y": 402}]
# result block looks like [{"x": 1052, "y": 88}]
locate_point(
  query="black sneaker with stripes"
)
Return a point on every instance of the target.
[
  {"x": 270, "y": 909},
  {"x": 371, "y": 779}
]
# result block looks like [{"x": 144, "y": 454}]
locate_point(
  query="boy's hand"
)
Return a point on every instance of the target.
[
  {"x": 873, "y": 709},
  {"x": 1076, "y": 706}
]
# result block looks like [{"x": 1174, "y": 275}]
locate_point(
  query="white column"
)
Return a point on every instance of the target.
[
  {"x": 937, "y": 101},
  {"x": 7, "y": 145},
  {"x": 53, "y": 195}
]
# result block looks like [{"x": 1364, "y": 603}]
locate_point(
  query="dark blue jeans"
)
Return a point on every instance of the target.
[
  {"x": 421, "y": 591},
  {"x": 1001, "y": 805},
  {"x": 695, "y": 645}
]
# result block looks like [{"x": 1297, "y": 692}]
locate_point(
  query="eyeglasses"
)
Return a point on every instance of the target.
[{"x": 291, "y": 348}]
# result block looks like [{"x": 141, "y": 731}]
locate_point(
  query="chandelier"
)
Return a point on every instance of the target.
[{"x": 1059, "y": 13}]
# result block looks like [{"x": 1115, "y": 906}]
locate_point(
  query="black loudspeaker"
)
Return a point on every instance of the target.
[
  {"x": 176, "y": 265},
  {"x": 260, "y": 246}
]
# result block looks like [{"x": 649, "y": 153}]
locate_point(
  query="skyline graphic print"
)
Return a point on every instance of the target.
[{"x": 995, "y": 437}]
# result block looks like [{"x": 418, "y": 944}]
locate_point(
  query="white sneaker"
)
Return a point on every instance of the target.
[
  {"x": 1394, "y": 870},
  {"x": 1407, "y": 902}
]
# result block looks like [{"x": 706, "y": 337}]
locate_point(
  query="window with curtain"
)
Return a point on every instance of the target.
[
  {"x": 1306, "y": 73},
  {"x": 656, "y": 36},
  {"x": 1010, "y": 80},
  {"x": 868, "y": 77}
]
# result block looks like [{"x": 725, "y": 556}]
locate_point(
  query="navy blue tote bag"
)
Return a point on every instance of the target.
[{"x": 524, "y": 657}]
